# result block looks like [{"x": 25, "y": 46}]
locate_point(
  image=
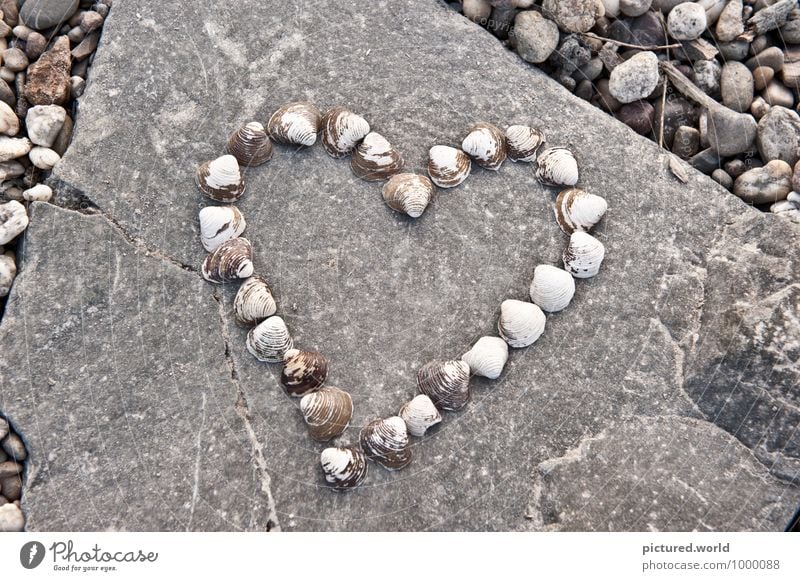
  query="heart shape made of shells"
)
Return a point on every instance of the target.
[{"x": 443, "y": 385}]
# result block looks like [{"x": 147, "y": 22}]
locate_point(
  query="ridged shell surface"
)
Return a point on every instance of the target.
[
  {"x": 303, "y": 372},
  {"x": 230, "y": 260},
  {"x": 408, "y": 193},
  {"x": 327, "y": 412},
  {"x": 576, "y": 209},
  {"x": 344, "y": 468},
  {"x": 295, "y": 124},
  {"x": 219, "y": 224},
  {"x": 446, "y": 383},
  {"x": 342, "y": 130},
  {"x": 221, "y": 179},
  {"x": 487, "y": 357},
  {"x": 386, "y": 442},
  {"x": 486, "y": 144},
  {"x": 521, "y": 323},
  {"x": 375, "y": 159},
  {"x": 448, "y": 166},
  {"x": 13, "y": 221},
  {"x": 254, "y": 301},
  {"x": 523, "y": 142},
  {"x": 556, "y": 166},
  {"x": 250, "y": 144},
  {"x": 419, "y": 414},
  {"x": 583, "y": 255},
  {"x": 552, "y": 288},
  {"x": 270, "y": 340}
]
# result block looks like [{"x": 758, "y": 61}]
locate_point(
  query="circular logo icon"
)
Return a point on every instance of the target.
[{"x": 31, "y": 554}]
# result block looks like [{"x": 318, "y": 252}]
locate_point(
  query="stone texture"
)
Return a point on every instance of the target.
[
  {"x": 535, "y": 37},
  {"x": 779, "y": 135},
  {"x": 41, "y": 14},
  {"x": 48, "y": 78}
]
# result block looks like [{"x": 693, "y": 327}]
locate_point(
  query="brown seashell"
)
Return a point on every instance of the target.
[
  {"x": 577, "y": 209},
  {"x": 254, "y": 301},
  {"x": 375, "y": 159},
  {"x": 345, "y": 468},
  {"x": 250, "y": 144},
  {"x": 523, "y": 142},
  {"x": 327, "y": 412},
  {"x": 220, "y": 179},
  {"x": 342, "y": 130},
  {"x": 446, "y": 383},
  {"x": 448, "y": 166},
  {"x": 270, "y": 340},
  {"x": 218, "y": 224},
  {"x": 556, "y": 166},
  {"x": 230, "y": 260},
  {"x": 486, "y": 144},
  {"x": 408, "y": 193},
  {"x": 295, "y": 124},
  {"x": 386, "y": 442},
  {"x": 303, "y": 372}
]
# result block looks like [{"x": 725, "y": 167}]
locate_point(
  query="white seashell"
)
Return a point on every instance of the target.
[
  {"x": 386, "y": 442},
  {"x": 220, "y": 179},
  {"x": 523, "y": 142},
  {"x": 303, "y": 372},
  {"x": 583, "y": 255},
  {"x": 9, "y": 122},
  {"x": 295, "y": 124},
  {"x": 10, "y": 169},
  {"x": 342, "y": 130},
  {"x": 344, "y": 468},
  {"x": 230, "y": 260},
  {"x": 43, "y": 157},
  {"x": 327, "y": 412},
  {"x": 14, "y": 147},
  {"x": 250, "y": 145},
  {"x": 219, "y": 224},
  {"x": 419, "y": 414},
  {"x": 520, "y": 323},
  {"x": 269, "y": 340},
  {"x": 577, "y": 209},
  {"x": 38, "y": 193},
  {"x": 448, "y": 166},
  {"x": 13, "y": 220},
  {"x": 552, "y": 288},
  {"x": 446, "y": 383},
  {"x": 375, "y": 159},
  {"x": 486, "y": 144},
  {"x": 44, "y": 122},
  {"x": 487, "y": 357},
  {"x": 254, "y": 301},
  {"x": 408, "y": 193},
  {"x": 8, "y": 272},
  {"x": 556, "y": 166}
]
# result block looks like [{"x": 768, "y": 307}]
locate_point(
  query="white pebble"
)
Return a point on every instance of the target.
[{"x": 38, "y": 193}]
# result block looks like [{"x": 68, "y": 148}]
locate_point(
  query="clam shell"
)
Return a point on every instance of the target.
[
  {"x": 342, "y": 130},
  {"x": 419, "y": 414},
  {"x": 408, "y": 193},
  {"x": 556, "y": 166},
  {"x": 446, "y": 383},
  {"x": 250, "y": 144},
  {"x": 13, "y": 221},
  {"x": 520, "y": 323},
  {"x": 230, "y": 260},
  {"x": 375, "y": 159},
  {"x": 583, "y": 255},
  {"x": 552, "y": 288},
  {"x": 486, "y": 144},
  {"x": 295, "y": 124},
  {"x": 344, "y": 468},
  {"x": 220, "y": 179},
  {"x": 303, "y": 372},
  {"x": 487, "y": 357},
  {"x": 327, "y": 412},
  {"x": 523, "y": 142},
  {"x": 386, "y": 442},
  {"x": 254, "y": 301},
  {"x": 577, "y": 209},
  {"x": 270, "y": 340},
  {"x": 219, "y": 224},
  {"x": 448, "y": 166}
]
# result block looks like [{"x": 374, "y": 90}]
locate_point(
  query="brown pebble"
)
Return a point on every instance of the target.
[
  {"x": 76, "y": 18},
  {"x": 790, "y": 75},
  {"x": 735, "y": 167},
  {"x": 35, "y": 45},
  {"x": 21, "y": 31},
  {"x": 14, "y": 447},
  {"x": 12, "y": 487},
  {"x": 771, "y": 57},
  {"x": 762, "y": 76},
  {"x": 722, "y": 178},
  {"x": 686, "y": 141},
  {"x": 10, "y": 12},
  {"x": 9, "y": 468},
  {"x": 604, "y": 99},
  {"x": 778, "y": 96},
  {"x": 76, "y": 35},
  {"x": 15, "y": 60},
  {"x": 86, "y": 47},
  {"x": 64, "y": 137},
  {"x": 48, "y": 78},
  {"x": 7, "y": 95},
  {"x": 638, "y": 116},
  {"x": 584, "y": 90},
  {"x": 759, "y": 107},
  {"x": 91, "y": 21}
]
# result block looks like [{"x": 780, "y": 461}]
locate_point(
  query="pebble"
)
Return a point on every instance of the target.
[
  {"x": 590, "y": 70},
  {"x": 713, "y": 9},
  {"x": 535, "y": 37},
  {"x": 706, "y": 161},
  {"x": 735, "y": 50},
  {"x": 677, "y": 111},
  {"x": 44, "y": 122},
  {"x": 686, "y": 21},
  {"x": 736, "y": 86},
  {"x": 666, "y": 5},
  {"x": 91, "y": 21},
  {"x": 41, "y": 14},
  {"x": 686, "y": 142},
  {"x": 3, "y": 430},
  {"x": 35, "y": 45},
  {"x": 722, "y": 178},
  {"x": 64, "y": 136},
  {"x": 10, "y": 170},
  {"x": 11, "y": 228},
  {"x": 771, "y": 57},
  {"x": 14, "y": 59},
  {"x": 501, "y": 22},
  {"x": 7, "y": 74},
  {"x": 14, "y": 147},
  {"x": 571, "y": 54},
  {"x": 761, "y": 77},
  {"x": 14, "y": 447},
  {"x": 779, "y": 135},
  {"x": 9, "y": 468},
  {"x": 476, "y": 10},
  {"x": 611, "y": 7},
  {"x": 86, "y": 47},
  {"x": 759, "y": 107},
  {"x": 12, "y": 488},
  {"x": 634, "y": 7},
  {"x": 730, "y": 132},
  {"x": 48, "y": 78},
  {"x": 3, "y": 456},
  {"x": 76, "y": 86},
  {"x": 790, "y": 75},
  {"x": 777, "y": 95},
  {"x": 7, "y": 96},
  {"x": 76, "y": 35},
  {"x": 10, "y": 12},
  {"x": 735, "y": 167},
  {"x": 706, "y": 75},
  {"x": 38, "y": 193},
  {"x": 8, "y": 272},
  {"x": 11, "y": 518},
  {"x": 767, "y": 184},
  {"x": 638, "y": 116},
  {"x": 647, "y": 29},
  {"x": 584, "y": 90},
  {"x": 796, "y": 177},
  {"x": 730, "y": 23},
  {"x": 604, "y": 98},
  {"x": 635, "y": 78},
  {"x": 790, "y": 32},
  {"x": 571, "y": 15},
  {"x": 43, "y": 157}
]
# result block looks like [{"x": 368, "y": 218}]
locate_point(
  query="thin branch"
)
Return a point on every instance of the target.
[{"x": 628, "y": 45}]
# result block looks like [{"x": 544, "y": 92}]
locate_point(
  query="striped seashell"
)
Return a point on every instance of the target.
[
  {"x": 375, "y": 159},
  {"x": 386, "y": 442},
  {"x": 303, "y": 372},
  {"x": 345, "y": 468},
  {"x": 408, "y": 193},
  {"x": 520, "y": 323},
  {"x": 220, "y": 179},
  {"x": 219, "y": 224},
  {"x": 342, "y": 130},
  {"x": 577, "y": 209},
  {"x": 556, "y": 166},
  {"x": 448, "y": 166},
  {"x": 295, "y": 124},
  {"x": 523, "y": 142},
  {"x": 486, "y": 144},
  {"x": 250, "y": 144},
  {"x": 552, "y": 288},
  {"x": 254, "y": 301},
  {"x": 487, "y": 357},
  {"x": 327, "y": 412},
  {"x": 230, "y": 260},
  {"x": 270, "y": 340},
  {"x": 446, "y": 383},
  {"x": 583, "y": 255},
  {"x": 419, "y": 414}
]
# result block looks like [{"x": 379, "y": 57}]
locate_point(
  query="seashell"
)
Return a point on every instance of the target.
[
  {"x": 523, "y": 142},
  {"x": 486, "y": 144},
  {"x": 556, "y": 166},
  {"x": 342, "y": 130},
  {"x": 295, "y": 124},
  {"x": 250, "y": 144},
  {"x": 269, "y": 340},
  {"x": 487, "y": 357},
  {"x": 446, "y": 383},
  {"x": 408, "y": 193},
  {"x": 520, "y": 323},
  {"x": 13, "y": 220},
  {"x": 43, "y": 157},
  {"x": 386, "y": 442},
  {"x": 219, "y": 224},
  {"x": 220, "y": 179},
  {"x": 327, "y": 412},
  {"x": 419, "y": 414},
  {"x": 254, "y": 301},
  {"x": 552, "y": 288},
  {"x": 375, "y": 159},
  {"x": 303, "y": 371},
  {"x": 448, "y": 166},
  {"x": 230, "y": 260},
  {"x": 583, "y": 255},
  {"x": 577, "y": 209},
  {"x": 344, "y": 468}
]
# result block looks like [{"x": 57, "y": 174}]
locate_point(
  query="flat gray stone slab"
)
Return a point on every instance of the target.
[{"x": 679, "y": 334}]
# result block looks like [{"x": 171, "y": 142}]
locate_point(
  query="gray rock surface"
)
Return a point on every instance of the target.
[
  {"x": 41, "y": 14},
  {"x": 137, "y": 341}
]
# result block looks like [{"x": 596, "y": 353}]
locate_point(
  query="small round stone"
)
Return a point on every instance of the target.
[
  {"x": 635, "y": 78},
  {"x": 779, "y": 135},
  {"x": 736, "y": 86},
  {"x": 638, "y": 116},
  {"x": 14, "y": 448},
  {"x": 686, "y": 141},
  {"x": 634, "y": 7},
  {"x": 767, "y": 184},
  {"x": 535, "y": 37},
  {"x": 735, "y": 167},
  {"x": 761, "y": 77},
  {"x": 706, "y": 75},
  {"x": 759, "y": 107},
  {"x": 778, "y": 95},
  {"x": 686, "y": 21},
  {"x": 14, "y": 59},
  {"x": 11, "y": 518},
  {"x": 571, "y": 15},
  {"x": 722, "y": 178}
]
